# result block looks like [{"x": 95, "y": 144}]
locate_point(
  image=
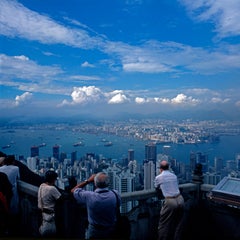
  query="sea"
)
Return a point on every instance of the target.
[{"x": 19, "y": 142}]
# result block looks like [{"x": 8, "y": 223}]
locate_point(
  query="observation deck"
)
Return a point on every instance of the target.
[{"x": 205, "y": 218}]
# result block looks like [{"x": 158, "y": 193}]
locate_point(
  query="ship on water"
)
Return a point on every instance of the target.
[
  {"x": 78, "y": 144},
  {"x": 42, "y": 145},
  {"x": 6, "y": 146},
  {"x": 108, "y": 144}
]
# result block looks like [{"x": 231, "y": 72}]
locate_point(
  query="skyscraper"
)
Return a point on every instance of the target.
[
  {"x": 56, "y": 151},
  {"x": 150, "y": 152},
  {"x": 149, "y": 175},
  {"x": 218, "y": 164},
  {"x": 34, "y": 151},
  {"x": 130, "y": 155},
  {"x": 238, "y": 161}
]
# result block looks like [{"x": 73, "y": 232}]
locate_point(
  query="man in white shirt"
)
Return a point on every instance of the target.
[{"x": 172, "y": 210}]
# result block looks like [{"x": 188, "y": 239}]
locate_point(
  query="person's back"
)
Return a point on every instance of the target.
[
  {"x": 172, "y": 210},
  {"x": 48, "y": 194},
  {"x": 101, "y": 206},
  {"x": 13, "y": 175}
]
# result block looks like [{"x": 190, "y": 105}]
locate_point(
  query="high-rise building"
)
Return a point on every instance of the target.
[
  {"x": 193, "y": 161},
  {"x": 149, "y": 174},
  {"x": 34, "y": 151},
  {"x": 201, "y": 158},
  {"x": 124, "y": 182},
  {"x": 56, "y": 151},
  {"x": 130, "y": 155},
  {"x": 150, "y": 152},
  {"x": 73, "y": 157},
  {"x": 238, "y": 161},
  {"x": 218, "y": 164},
  {"x": 63, "y": 156}
]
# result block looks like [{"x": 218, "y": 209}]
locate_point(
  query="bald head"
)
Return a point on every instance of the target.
[
  {"x": 164, "y": 165},
  {"x": 101, "y": 180}
]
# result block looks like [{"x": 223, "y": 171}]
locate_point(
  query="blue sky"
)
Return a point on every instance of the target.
[{"x": 76, "y": 57}]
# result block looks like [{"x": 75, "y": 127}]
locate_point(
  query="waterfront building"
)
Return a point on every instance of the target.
[
  {"x": 34, "y": 151},
  {"x": 130, "y": 155},
  {"x": 218, "y": 164},
  {"x": 151, "y": 152},
  {"x": 55, "y": 150}
]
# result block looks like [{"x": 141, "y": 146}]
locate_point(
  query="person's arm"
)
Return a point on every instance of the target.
[{"x": 84, "y": 183}]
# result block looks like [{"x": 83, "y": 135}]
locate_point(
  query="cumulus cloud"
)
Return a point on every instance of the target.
[
  {"x": 81, "y": 95},
  {"x": 118, "y": 98},
  {"x": 140, "y": 100},
  {"x": 22, "y": 99},
  {"x": 179, "y": 99}
]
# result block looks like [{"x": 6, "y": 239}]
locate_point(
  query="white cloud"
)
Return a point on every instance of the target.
[
  {"x": 22, "y": 99},
  {"x": 150, "y": 57},
  {"x": 219, "y": 100},
  {"x": 85, "y": 78},
  {"x": 81, "y": 95},
  {"x": 118, "y": 98},
  {"x": 87, "y": 64},
  {"x": 140, "y": 100},
  {"x": 223, "y": 13},
  {"x": 179, "y": 99},
  {"x": 182, "y": 98},
  {"x": 34, "y": 26},
  {"x": 21, "y": 67}
]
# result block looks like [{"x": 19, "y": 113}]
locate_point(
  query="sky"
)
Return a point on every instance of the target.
[{"x": 72, "y": 58}]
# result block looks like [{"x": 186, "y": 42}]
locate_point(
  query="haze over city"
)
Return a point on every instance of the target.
[{"x": 102, "y": 58}]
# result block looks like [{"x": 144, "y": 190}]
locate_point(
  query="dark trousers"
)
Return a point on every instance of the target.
[{"x": 170, "y": 221}]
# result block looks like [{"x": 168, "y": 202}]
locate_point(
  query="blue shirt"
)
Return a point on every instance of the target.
[
  {"x": 168, "y": 183},
  {"x": 101, "y": 205}
]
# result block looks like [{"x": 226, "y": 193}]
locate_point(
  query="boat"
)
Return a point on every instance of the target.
[
  {"x": 78, "y": 144},
  {"x": 42, "y": 145},
  {"x": 108, "y": 144},
  {"x": 6, "y": 146}
]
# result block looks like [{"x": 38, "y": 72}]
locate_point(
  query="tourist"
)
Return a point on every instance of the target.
[
  {"x": 13, "y": 175},
  {"x": 101, "y": 206},
  {"x": 172, "y": 210},
  {"x": 48, "y": 194}
]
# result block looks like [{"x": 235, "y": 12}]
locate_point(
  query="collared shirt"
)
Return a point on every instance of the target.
[
  {"x": 47, "y": 196},
  {"x": 168, "y": 183},
  {"x": 101, "y": 205}
]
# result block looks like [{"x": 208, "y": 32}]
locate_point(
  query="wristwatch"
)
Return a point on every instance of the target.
[{"x": 86, "y": 181}]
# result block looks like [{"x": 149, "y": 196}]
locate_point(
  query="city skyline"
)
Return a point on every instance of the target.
[{"x": 78, "y": 58}]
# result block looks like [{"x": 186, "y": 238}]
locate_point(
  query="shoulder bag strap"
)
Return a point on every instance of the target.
[{"x": 118, "y": 204}]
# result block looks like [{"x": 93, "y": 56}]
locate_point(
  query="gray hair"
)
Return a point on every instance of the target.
[{"x": 101, "y": 180}]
